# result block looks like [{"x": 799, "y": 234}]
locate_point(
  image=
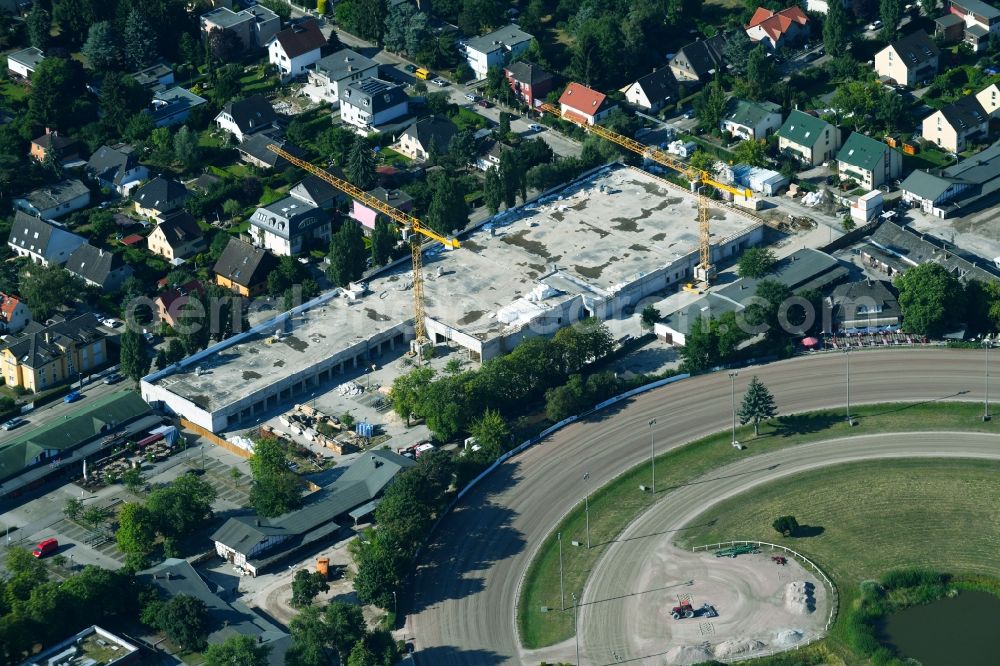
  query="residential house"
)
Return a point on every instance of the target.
[
  {"x": 894, "y": 248},
  {"x": 254, "y": 150},
  {"x": 170, "y": 302},
  {"x": 45, "y": 356},
  {"x": 958, "y": 125},
  {"x": 494, "y": 49},
  {"x": 908, "y": 61},
  {"x": 967, "y": 186},
  {"x": 176, "y": 237},
  {"x": 98, "y": 267},
  {"x": 336, "y": 71},
  {"x": 172, "y": 106},
  {"x": 699, "y": 61},
  {"x": 787, "y": 27},
  {"x": 972, "y": 21},
  {"x": 810, "y": 139},
  {"x": 366, "y": 216},
  {"x": 255, "y": 26},
  {"x": 867, "y": 305},
  {"x": 751, "y": 120},
  {"x": 226, "y": 615},
  {"x": 55, "y": 200},
  {"x": 989, "y": 99},
  {"x": 529, "y": 82},
  {"x": 370, "y": 103},
  {"x": 317, "y": 192},
  {"x": 296, "y": 48},
  {"x": 428, "y": 135},
  {"x": 253, "y": 543},
  {"x": 583, "y": 105},
  {"x": 45, "y": 243},
  {"x": 287, "y": 225},
  {"x": 244, "y": 268},
  {"x": 117, "y": 168},
  {"x": 246, "y": 116},
  {"x": 158, "y": 76},
  {"x": 24, "y": 63},
  {"x": 160, "y": 196},
  {"x": 489, "y": 157},
  {"x": 67, "y": 148},
  {"x": 14, "y": 314},
  {"x": 653, "y": 91},
  {"x": 869, "y": 162}
]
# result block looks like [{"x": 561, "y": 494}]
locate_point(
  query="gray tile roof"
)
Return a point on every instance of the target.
[
  {"x": 255, "y": 146},
  {"x": 749, "y": 114},
  {"x": 251, "y": 114},
  {"x": 288, "y": 217},
  {"x": 379, "y": 94},
  {"x": 658, "y": 85},
  {"x": 111, "y": 164},
  {"x": 162, "y": 194},
  {"x": 31, "y": 57},
  {"x": 56, "y": 194},
  {"x": 244, "y": 264},
  {"x": 863, "y": 293},
  {"x": 965, "y": 114},
  {"x": 179, "y": 228},
  {"x": 504, "y": 38},
  {"x": 862, "y": 151},
  {"x": 916, "y": 49},
  {"x": 342, "y": 64},
  {"x": 803, "y": 129},
  {"x": 705, "y": 55},
  {"x": 981, "y": 172},
  {"x": 978, "y": 7},
  {"x": 94, "y": 264},
  {"x": 38, "y": 345},
  {"x": 914, "y": 248},
  {"x": 803, "y": 269},
  {"x": 528, "y": 73},
  {"x": 433, "y": 129}
]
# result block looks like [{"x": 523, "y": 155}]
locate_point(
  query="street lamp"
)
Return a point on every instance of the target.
[
  {"x": 847, "y": 357},
  {"x": 987, "y": 343},
  {"x": 576, "y": 630},
  {"x": 562, "y": 592},
  {"x": 586, "y": 476},
  {"x": 732, "y": 376},
  {"x": 652, "y": 455}
]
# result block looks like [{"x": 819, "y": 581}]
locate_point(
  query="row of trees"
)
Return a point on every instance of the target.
[
  {"x": 339, "y": 627},
  {"x": 933, "y": 301},
  {"x": 275, "y": 489},
  {"x": 510, "y": 179}
]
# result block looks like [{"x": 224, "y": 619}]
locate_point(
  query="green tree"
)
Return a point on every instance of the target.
[
  {"x": 786, "y": 525},
  {"x": 39, "y": 23},
  {"x": 703, "y": 161},
  {"x": 46, "y": 288},
  {"x": 346, "y": 624},
  {"x": 384, "y": 239},
  {"x": 650, "y": 315},
  {"x": 103, "y": 47},
  {"x": 448, "y": 210},
  {"x": 73, "y": 508},
  {"x": 756, "y": 262},
  {"x": 275, "y": 490},
  {"x": 186, "y": 147},
  {"x": 310, "y": 638},
  {"x": 710, "y": 106},
  {"x": 491, "y": 433},
  {"x": 306, "y": 585},
  {"x": 279, "y": 7},
  {"x": 760, "y": 75},
  {"x": 493, "y": 191},
  {"x": 835, "y": 29},
  {"x": 890, "y": 11},
  {"x": 347, "y": 254},
  {"x": 132, "y": 479},
  {"x": 752, "y": 152},
  {"x": 134, "y": 361},
  {"x": 182, "y": 507},
  {"x": 361, "y": 165},
  {"x": 564, "y": 401},
  {"x": 408, "y": 390},
  {"x": 58, "y": 93},
  {"x": 397, "y": 19},
  {"x": 930, "y": 299},
  {"x": 95, "y": 516},
  {"x": 737, "y": 52},
  {"x": 929, "y": 7},
  {"x": 758, "y": 405},
  {"x": 139, "y": 127},
  {"x": 136, "y": 530},
  {"x": 75, "y": 18},
  {"x": 335, "y": 143},
  {"x": 184, "y": 619},
  {"x": 701, "y": 347},
  {"x": 238, "y": 649},
  {"x": 140, "y": 40}
]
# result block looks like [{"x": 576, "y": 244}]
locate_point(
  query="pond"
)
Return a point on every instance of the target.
[{"x": 960, "y": 630}]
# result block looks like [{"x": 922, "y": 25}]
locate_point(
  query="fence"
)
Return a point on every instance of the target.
[
  {"x": 834, "y": 595},
  {"x": 215, "y": 439},
  {"x": 852, "y": 236}
]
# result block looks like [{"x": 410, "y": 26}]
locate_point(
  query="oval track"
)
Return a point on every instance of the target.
[{"x": 466, "y": 587}]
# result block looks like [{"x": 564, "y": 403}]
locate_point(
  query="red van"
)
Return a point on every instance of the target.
[{"x": 45, "y": 547}]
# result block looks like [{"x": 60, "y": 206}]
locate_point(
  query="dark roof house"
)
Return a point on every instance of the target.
[
  {"x": 117, "y": 168},
  {"x": 247, "y": 116},
  {"x": 160, "y": 195},
  {"x": 699, "y": 60},
  {"x": 864, "y": 304},
  {"x": 44, "y": 242},
  {"x": 245, "y": 265},
  {"x": 98, "y": 267},
  {"x": 254, "y": 150},
  {"x": 427, "y": 135}
]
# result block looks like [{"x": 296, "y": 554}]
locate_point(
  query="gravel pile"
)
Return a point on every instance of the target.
[
  {"x": 737, "y": 647},
  {"x": 799, "y": 597},
  {"x": 685, "y": 655},
  {"x": 787, "y": 638}
]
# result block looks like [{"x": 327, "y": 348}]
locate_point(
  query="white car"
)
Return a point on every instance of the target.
[
  {"x": 874, "y": 25},
  {"x": 470, "y": 97},
  {"x": 535, "y": 128},
  {"x": 439, "y": 82}
]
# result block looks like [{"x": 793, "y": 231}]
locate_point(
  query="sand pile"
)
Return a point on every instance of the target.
[
  {"x": 737, "y": 647},
  {"x": 685, "y": 655},
  {"x": 787, "y": 638},
  {"x": 799, "y": 597}
]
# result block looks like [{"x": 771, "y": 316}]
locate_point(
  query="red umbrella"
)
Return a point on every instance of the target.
[{"x": 810, "y": 342}]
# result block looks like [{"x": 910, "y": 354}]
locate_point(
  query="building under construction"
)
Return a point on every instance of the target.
[{"x": 594, "y": 248}]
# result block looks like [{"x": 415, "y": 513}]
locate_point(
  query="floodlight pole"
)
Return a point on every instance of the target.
[
  {"x": 986, "y": 402},
  {"x": 562, "y": 592},
  {"x": 652, "y": 454},
  {"x": 732, "y": 376},
  {"x": 586, "y": 476}
]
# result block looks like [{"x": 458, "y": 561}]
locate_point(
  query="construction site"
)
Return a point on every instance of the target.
[{"x": 594, "y": 247}]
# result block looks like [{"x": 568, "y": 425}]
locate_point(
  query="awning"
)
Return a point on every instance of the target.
[{"x": 364, "y": 510}]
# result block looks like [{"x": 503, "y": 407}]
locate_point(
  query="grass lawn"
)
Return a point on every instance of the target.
[
  {"x": 928, "y": 158},
  {"x": 257, "y": 81},
  {"x": 15, "y": 92},
  {"x": 393, "y": 158},
  {"x": 615, "y": 505},
  {"x": 466, "y": 119}
]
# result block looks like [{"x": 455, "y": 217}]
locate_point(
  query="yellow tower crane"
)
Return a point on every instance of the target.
[
  {"x": 407, "y": 222},
  {"x": 703, "y": 271}
]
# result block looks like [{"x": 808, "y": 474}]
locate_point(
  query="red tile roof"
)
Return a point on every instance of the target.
[
  {"x": 582, "y": 98},
  {"x": 7, "y": 306},
  {"x": 168, "y": 298},
  {"x": 133, "y": 239},
  {"x": 775, "y": 24},
  {"x": 300, "y": 39}
]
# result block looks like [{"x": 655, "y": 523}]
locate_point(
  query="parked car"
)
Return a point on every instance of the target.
[
  {"x": 13, "y": 423},
  {"x": 535, "y": 128},
  {"x": 45, "y": 547},
  {"x": 439, "y": 82},
  {"x": 112, "y": 322},
  {"x": 874, "y": 25},
  {"x": 113, "y": 378},
  {"x": 470, "y": 97},
  {"x": 410, "y": 68},
  {"x": 72, "y": 396},
  {"x": 485, "y": 104}
]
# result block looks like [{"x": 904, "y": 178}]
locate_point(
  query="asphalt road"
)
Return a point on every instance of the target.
[
  {"x": 607, "y": 628},
  {"x": 466, "y": 587}
]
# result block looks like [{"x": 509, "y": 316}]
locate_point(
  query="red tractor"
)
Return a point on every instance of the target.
[{"x": 685, "y": 610}]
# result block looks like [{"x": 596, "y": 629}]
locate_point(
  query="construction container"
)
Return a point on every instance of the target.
[{"x": 323, "y": 567}]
